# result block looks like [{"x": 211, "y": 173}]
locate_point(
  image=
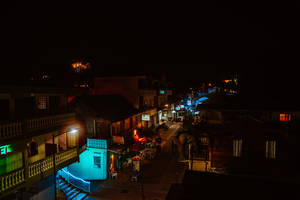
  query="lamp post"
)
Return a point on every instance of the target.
[
  {"x": 54, "y": 170},
  {"x": 73, "y": 131}
]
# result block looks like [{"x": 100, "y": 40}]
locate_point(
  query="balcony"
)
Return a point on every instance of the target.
[
  {"x": 10, "y": 130},
  {"x": 43, "y": 167},
  {"x": 20, "y": 128}
]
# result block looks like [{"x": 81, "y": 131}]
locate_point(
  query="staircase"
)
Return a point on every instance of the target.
[{"x": 70, "y": 191}]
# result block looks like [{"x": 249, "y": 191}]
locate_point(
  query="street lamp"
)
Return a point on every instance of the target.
[{"x": 73, "y": 132}]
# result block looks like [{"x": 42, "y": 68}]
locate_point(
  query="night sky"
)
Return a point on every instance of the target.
[{"x": 187, "y": 42}]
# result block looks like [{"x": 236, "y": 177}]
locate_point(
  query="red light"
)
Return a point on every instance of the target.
[{"x": 70, "y": 98}]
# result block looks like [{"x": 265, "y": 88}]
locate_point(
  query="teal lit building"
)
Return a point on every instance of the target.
[{"x": 92, "y": 163}]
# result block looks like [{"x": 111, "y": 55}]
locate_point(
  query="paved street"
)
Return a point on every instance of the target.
[{"x": 157, "y": 176}]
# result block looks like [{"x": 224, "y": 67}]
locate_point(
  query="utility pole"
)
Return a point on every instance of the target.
[
  {"x": 54, "y": 170},
  {"x": 190, "y": 164},
  {"x": 142, "y": 187}
]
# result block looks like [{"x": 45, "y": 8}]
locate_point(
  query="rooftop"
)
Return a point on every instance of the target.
[
  {"x": 201, "y": 185},
  {"x": 108, "y": 107}
]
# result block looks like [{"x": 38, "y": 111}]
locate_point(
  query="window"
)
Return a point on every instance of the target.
[
  {"x": 42, "y": 102},
  {"x": 271, "y": 149},
  {"x": 204, "y": 140},
  {"x": 33, "y": 149},
  {"x": 285, "y": 117},
  {"x": 97, "y": 161},
  {"x": 237, "y": 147}
]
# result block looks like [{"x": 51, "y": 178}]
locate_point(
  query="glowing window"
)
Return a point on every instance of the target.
[
  {"x": 204, "y": 140},
  {"x": 97, "y": 160},
  {"x": 42, "y": 102},
  {"x": 271, "y": 149},
  {"x": 237, "y": 147},
  {"x": 285, "y": 117}
]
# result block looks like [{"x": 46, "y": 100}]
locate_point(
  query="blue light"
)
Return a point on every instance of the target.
[
  {"x": 87, "y": 182},
  {"x": 202, "y": 99},
  {"x": 86, "y": 168}
]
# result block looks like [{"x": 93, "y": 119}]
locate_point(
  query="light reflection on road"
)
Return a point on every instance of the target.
[{"x": 167, "y": 135}]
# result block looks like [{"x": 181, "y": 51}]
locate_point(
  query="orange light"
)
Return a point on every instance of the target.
[
  {"x": 142, "y": 139},
  {"x": 79, "y": 66},
  {"x": 226, "y": 81},
  {"x": 209, "y": 84},
  {"x": 135, "y": 135},
  {"x": 285, "y": 117}
]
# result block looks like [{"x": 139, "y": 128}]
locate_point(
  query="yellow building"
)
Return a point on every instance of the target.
[{"x": 35, "y": 125}]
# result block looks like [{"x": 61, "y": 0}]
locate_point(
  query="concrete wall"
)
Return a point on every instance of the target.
[{"x": 86, "y": 165}]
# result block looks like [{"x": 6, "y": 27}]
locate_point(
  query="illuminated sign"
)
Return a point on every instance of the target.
[
  {"x": 118, "y": 139},
  {"x": 227, "y": 80},
  {"x": 5, "y": 149},
  {"x": 161, "y": 92},
  {"x": 145, "y": 117},
  {"x": 177, "y": 108}
]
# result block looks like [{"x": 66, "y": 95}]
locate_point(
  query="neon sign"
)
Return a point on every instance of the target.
[
  {"x": 5, "y": 149},
  {"x": 145, "y": 117}
]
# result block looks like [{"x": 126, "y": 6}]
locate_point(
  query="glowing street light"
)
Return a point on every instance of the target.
[{"x": 73, "y": 131}]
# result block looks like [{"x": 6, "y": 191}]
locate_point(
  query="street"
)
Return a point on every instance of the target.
[{"x": 157, "y": 176}]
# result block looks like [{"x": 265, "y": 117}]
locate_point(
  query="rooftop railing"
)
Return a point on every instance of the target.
[{"x": 15, "y": 129}]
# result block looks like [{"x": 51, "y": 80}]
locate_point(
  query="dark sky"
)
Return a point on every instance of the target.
[{"x": 190, "y": 42}]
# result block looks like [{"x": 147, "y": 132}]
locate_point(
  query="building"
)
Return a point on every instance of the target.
[
  {"x": 111, "y": 118},
  {"x": 36, "y": 124},
  {"x": 249, "y": 139},
  {"x": 144, "y": 93},
  {"x": 196, "y": 185}
]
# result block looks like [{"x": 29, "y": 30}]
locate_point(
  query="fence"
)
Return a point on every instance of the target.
[
  {"x": 10, "y": 180},
  {"x": 16, "y": 129}
]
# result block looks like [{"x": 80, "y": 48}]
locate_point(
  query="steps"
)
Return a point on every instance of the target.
[{"x": 69, "y": 190}]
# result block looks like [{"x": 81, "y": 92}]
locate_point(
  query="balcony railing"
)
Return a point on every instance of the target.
[
  {"x": 15, "y": 178},
  {"x": 10, "y": 130},
  {"x": 48, "y": 122},
  {"x": 46, "y": 164},
  {"x": 11, "y": 180},
  {"x": 15, "y": 129}
]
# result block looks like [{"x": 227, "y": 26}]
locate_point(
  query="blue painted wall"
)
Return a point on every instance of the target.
[{"x": 86, "y": 168}]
